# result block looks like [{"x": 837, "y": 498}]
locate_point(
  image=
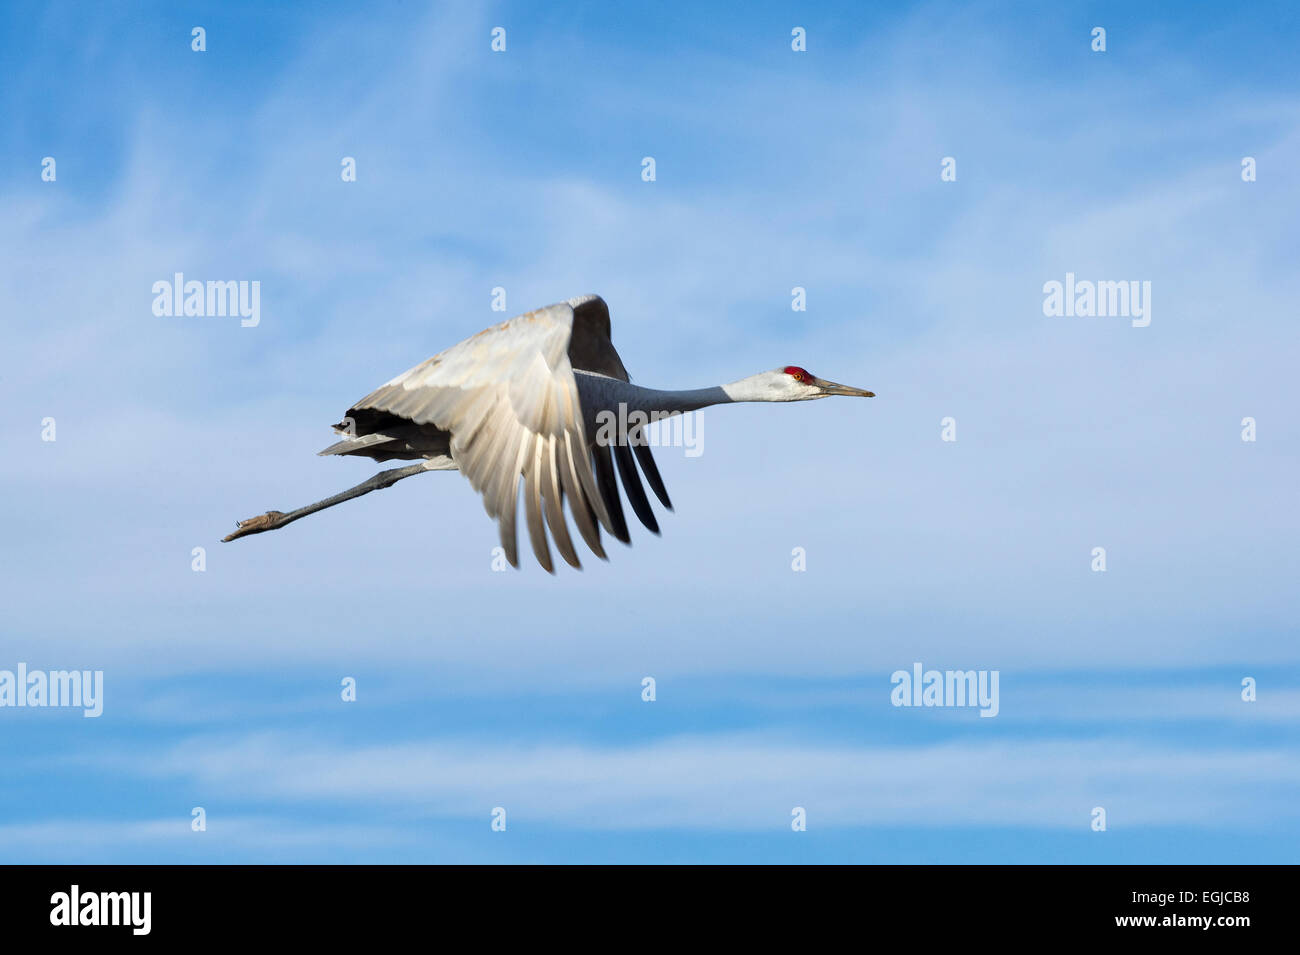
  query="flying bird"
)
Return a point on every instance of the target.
[{"x": 530, "y": 402}]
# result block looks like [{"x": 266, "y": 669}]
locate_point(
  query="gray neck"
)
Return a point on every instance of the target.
[
  {"x": 684, "y": 401},
  {"x": 599, "y": 393}
]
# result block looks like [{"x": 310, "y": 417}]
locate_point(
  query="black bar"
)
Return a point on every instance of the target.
[{"x": 968, "y": 903}]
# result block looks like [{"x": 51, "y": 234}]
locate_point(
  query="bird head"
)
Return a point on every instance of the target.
[{"x": 793, "y": 383}]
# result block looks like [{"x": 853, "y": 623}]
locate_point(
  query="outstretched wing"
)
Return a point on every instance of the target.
[{"x": 508, "y": 398}]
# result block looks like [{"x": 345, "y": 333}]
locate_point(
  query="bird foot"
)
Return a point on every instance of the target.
[{"x": 255, "y": 525}]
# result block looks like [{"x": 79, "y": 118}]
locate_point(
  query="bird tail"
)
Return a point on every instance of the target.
[{"x": 356, "y": 444}]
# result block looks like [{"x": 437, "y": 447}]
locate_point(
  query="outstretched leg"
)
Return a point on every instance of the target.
[{"x": 272, "y": 520}]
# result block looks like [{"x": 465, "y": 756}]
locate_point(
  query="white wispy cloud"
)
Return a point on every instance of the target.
[
  {"x": 748, "y": 781},
  {"x": 88, "y": 839}
]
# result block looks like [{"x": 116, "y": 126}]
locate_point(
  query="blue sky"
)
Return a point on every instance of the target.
[{"x": 775, "y": 169}]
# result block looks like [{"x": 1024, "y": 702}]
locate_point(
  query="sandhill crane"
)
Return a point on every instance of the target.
[{"x": 523, "y": 401}]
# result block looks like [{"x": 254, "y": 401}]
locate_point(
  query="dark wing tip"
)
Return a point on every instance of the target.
[
  {"x": 632, "y": 485},
  {"x": 647, "y": 462}
]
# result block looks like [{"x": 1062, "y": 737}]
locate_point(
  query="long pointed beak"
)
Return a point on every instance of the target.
[{"x": 834, "y": 388}]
